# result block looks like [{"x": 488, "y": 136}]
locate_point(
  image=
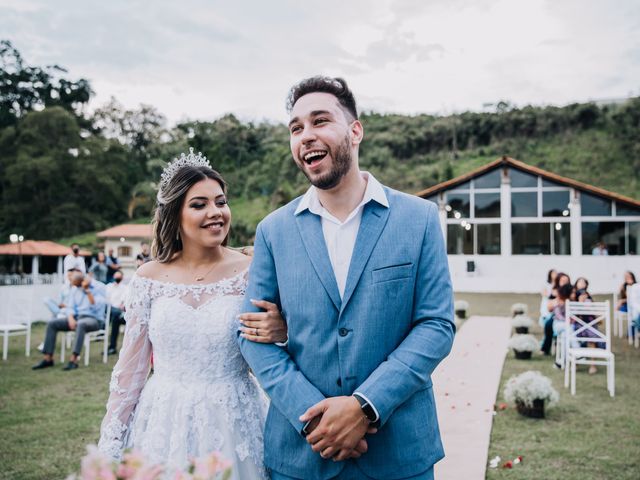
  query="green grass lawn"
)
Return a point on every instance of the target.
[
  {"x": 586, "y": 436},
  {"x": 48, "y": 416}
]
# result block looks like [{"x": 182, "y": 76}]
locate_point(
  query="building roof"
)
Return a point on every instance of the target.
[
  {"x": 518, "y": 165},
  {"x": 125, "y": 230},
  {"x": 38, "y": 247}
]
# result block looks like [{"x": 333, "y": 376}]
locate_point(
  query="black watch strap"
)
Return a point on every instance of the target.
[{"x": 366, "y": 408}]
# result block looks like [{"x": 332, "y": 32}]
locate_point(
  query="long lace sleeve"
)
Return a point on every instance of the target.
[{"x": 130, "y": 372}]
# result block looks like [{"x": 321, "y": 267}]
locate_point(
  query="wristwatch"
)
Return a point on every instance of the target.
[{"x": 366, "y": 408}]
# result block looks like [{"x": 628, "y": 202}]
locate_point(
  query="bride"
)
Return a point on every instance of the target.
[{"x": 182, "y": 320}]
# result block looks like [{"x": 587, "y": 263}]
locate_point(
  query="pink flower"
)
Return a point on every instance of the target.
[{"x": 96, "y": 466}]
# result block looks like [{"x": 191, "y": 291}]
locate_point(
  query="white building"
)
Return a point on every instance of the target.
[
  {"x": 126, "y": 241},
  {"x": 507, "y": 223}
]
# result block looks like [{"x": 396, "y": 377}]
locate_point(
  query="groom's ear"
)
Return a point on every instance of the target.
[{"x": 357, "y": 132}]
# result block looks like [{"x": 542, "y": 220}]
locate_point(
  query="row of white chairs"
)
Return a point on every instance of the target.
[{"x": 16, "y": 321}]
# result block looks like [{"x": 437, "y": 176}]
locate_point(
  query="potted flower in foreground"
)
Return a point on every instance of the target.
[
  {"x": 522, "y": 323},
  {"x": 523, "y": 346},
  {"x": 531, "y": 391},
  {"x": 134, "y": 466}
]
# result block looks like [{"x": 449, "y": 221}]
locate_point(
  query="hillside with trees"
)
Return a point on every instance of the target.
[{"x": 64, "y": 171}]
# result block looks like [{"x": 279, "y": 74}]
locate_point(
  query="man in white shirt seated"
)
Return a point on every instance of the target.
[{"x": 116, "y": 294}]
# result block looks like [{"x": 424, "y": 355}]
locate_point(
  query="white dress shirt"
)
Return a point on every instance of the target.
[
  {"x": 340, "y": 237},
  {"x": 116, "y": 294}
]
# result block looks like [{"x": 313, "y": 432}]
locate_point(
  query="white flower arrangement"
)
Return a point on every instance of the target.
[
  {"x": 519, "y": 309},
  {"x": 521, "y": 321},
  {"x": 461, "y": 305},
  {"x": 523, "y": 343},
  {"x": 530, "y": 386}
]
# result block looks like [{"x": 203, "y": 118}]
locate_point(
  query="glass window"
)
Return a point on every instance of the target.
[
  {"x": 626, "y": 210},
  {"x": 611, "y": 233},
  {"x": 590, "y": 205},
  {"x": 524, "y": 204},
  {"x": 488, "y": 238},
  {"x": 487, "y": 204},
  {"x": 549, "y": 183},
  {"x": 530, "y": 239},
  {"x": 489, "y": 180},
  {"x": 521, "y": 179},
  {"x": 457, "y": 205},
  {"x": 459, "y": 240},
  {"x": 561, "y": 238},
  {"x": 634, "y": 239},
  {"x": 463, "y": 186},
  {"x": 124, "y": 251},
  {"x": 555, "y": 204}
]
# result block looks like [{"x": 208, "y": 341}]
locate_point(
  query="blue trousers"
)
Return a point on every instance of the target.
[{"x": 352, "y": 472}]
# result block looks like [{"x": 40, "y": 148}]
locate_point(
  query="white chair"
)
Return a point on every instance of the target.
[
  {"x": 16, "y": 316},
  {"x": 633, "y": 311},
  {"x": 101, "y": 334},
  {"x": 579, "y": 317}
]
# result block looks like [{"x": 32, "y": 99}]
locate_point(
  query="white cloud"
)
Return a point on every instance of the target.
[{"x": 201, "y": 59}]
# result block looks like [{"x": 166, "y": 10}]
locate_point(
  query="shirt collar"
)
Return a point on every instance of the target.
[{"x": 374, "y": 191}]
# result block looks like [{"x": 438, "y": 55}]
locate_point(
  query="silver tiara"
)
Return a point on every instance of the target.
[{"x": 189, "y": 160}]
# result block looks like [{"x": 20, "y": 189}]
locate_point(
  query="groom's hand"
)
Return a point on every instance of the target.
[{"x": 341, "y": 427}]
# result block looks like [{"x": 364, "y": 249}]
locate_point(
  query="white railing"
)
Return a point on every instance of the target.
[{"x": 30, "y": 279}]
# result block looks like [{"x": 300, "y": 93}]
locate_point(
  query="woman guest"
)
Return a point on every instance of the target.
[{"x": 561, "y": 280}]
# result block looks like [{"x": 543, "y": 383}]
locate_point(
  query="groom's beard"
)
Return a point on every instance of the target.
[{"x": 340, "y": 166}]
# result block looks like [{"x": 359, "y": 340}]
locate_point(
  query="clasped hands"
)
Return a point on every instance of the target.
[{"x": 337, "y": 428}]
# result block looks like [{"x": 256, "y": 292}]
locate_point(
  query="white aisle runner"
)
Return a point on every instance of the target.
[{"x": 465, "y": 387}]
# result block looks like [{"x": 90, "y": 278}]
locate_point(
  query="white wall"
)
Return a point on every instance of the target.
[
  {"x": 528, "y": 273},
  {"x": 19, "y": 302}
]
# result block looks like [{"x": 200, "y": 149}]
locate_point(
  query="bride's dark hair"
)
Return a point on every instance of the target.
[{"x": 166, "y": 218}]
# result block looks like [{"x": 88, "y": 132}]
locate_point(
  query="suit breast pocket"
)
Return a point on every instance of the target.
[{"x": 392, "y": 272}]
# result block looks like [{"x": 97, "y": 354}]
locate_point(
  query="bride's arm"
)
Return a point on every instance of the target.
[{"x": 130, "y": 372}]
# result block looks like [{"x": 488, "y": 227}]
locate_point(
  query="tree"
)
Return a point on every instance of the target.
[
  {"x": 25, "y": 88},
  {"x": 54, "y": 182}
]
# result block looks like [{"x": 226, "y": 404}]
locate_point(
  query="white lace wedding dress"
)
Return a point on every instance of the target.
[{"x": 200, "y": 396}]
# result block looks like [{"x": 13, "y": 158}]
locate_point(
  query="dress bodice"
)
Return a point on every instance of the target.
[{"x": 193, "y": 331}]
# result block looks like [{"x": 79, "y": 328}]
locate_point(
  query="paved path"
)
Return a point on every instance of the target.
[{"x": 465, "y": 386}]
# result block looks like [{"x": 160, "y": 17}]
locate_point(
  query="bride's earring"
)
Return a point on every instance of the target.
[{"x": 178, "y": 235}]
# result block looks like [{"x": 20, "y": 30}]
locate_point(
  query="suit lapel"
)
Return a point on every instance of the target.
[
  {"x": 310, "y": 228},
  {"x": 374, "y": 218}
]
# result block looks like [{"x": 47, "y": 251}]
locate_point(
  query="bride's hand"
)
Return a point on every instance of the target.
[{"x": 264, "y": 327}]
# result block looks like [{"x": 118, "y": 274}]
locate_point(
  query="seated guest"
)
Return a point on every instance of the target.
[
  {"x": 57, "y": 305},
  {"x": 83, "y": 317},
  {"x": 112, "y": 265},
  {"x": 629, "y": 279},
  {"x": 561, "y": 280},
  {"x": 116, "y": 293}
]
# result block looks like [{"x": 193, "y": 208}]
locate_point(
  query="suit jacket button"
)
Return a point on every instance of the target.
[
  {"x": 343, "y": 332},
  {"x": 339, "y": 382}
]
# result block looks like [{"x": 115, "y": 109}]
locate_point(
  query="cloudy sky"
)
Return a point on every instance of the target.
[{"x": 200, "y": 59}]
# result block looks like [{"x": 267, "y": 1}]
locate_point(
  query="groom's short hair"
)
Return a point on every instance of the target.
[{"x": 335, "y": 86}]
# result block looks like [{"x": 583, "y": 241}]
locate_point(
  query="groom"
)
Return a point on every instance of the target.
[{"x": 360, "y": 274}]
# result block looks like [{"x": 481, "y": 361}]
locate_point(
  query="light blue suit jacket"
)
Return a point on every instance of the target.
[{"x": 385, "y": 337}]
